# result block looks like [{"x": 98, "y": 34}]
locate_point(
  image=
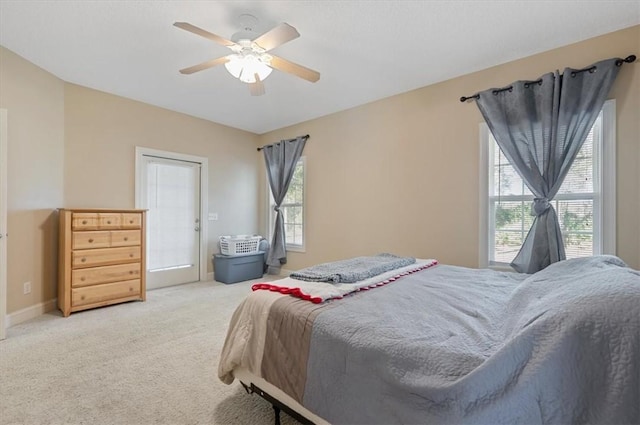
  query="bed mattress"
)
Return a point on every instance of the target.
[{"x": 454, "y": 345}]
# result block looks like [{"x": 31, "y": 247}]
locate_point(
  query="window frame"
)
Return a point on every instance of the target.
[
  {"x": 604, "y": 213},
  {"x": 271, "y": 217}
]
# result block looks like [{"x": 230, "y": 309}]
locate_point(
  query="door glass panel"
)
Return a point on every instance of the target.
[{"x": 172, "y": 214}]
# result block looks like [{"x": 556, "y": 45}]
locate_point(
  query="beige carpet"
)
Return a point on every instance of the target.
[{"x": 152, "y": 362}]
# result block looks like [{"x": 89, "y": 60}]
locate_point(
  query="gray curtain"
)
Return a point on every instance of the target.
[
  {"x": 540, "y": 126},
  {"x": 281, "y": 159}
]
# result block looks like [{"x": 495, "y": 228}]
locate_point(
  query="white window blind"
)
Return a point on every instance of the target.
[{"x": 171, "y": 214}]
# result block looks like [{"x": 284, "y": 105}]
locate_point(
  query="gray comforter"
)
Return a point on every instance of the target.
[{"x": 451, "y": 345}]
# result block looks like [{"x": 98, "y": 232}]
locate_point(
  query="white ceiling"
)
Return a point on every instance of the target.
[{"x": 364, "y": 50}]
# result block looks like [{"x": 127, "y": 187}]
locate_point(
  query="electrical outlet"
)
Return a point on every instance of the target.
[
  {"x": 213, "y": 216},
  {"x": 26, "y": 288}
]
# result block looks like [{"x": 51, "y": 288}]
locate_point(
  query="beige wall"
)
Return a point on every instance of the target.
[
  {"x": 71, "y": 146},
  {"x": 34, "y": 100},
  {"x": 401, "y": 174},
  {"x": 102, "y": 131}
]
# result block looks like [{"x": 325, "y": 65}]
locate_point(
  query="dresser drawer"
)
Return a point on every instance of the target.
[
  {"x": 105, "y": 239},
  {"x": 84, "y": 221},
  {"x": 105, "y": 274},
  {"x": 105, "y": 256},
  {"x": 125, "y": 237},
  {"x": 108, "y": 221},
  {"x": 131, "y": 220},
  {"x": 106, "y": 292},
  {"x": 86, "y": 240}
]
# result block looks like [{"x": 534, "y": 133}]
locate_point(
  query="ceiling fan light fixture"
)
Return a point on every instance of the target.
[
  {"x": 249, "y": 61},
  {"x": 244, "y": 67}
]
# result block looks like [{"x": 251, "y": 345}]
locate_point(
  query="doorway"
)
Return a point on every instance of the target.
[{"x": 170, "y": 186}]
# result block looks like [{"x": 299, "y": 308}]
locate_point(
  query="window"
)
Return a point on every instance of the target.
[
  {"x": 292, "y": 209},
  {"x": 585, "y": 204}
]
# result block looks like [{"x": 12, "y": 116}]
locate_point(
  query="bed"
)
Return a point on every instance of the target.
[{"x": 437, "y": 344}]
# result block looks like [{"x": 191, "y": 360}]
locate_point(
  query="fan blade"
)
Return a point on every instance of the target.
[
  {"x": 295, "y": 69},
  {"x": 277, "y": 36},
  {"x": 257, "y": 88},
  {"x": 205, "y": 65},
  {"x": 206, "y": 34}
]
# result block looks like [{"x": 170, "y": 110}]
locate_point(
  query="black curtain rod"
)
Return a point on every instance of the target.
[
  {"x": 591, "y": 69},
  {"x": 306, "y": 136}
]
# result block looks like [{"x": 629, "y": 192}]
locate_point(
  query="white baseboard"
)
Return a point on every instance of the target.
[
  {"x": 32, "y": 312},
  {"x": 285, "y": 272},
  {"x": 278, "y": 271}
]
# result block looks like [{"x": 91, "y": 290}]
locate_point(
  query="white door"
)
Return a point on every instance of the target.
[
  {"x": 3, "y": 222},
  {"x": 171, "y": 194}
]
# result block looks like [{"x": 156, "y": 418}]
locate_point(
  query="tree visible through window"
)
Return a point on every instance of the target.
[{"x": 576, "y": 204}]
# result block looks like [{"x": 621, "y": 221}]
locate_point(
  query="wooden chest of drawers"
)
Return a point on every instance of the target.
[{"x": 101, "y": 258}]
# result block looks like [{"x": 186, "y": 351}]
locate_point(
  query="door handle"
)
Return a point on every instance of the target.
[{"x": 197, "y": 229}]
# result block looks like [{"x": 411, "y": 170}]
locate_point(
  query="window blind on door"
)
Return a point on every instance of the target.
[{"x": 171, "y": 214}]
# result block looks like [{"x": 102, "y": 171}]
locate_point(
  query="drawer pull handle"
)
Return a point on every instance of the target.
[
  {"x": 130, "y": 221},
  {"x": 130, "y": 289},
  {"x": 108, "y": 221},
  {"x": 83, "y": 259},
  {"x": 84, "y": 221},
  {"x": 82, "y": 279},
  {"x": 130, "y": 271},
  {"x": 90, "y": 240},
  {"x": 126, "y": 239},
  {"x": 131, "y": 255},
  {"x": 82, "y": 297}
]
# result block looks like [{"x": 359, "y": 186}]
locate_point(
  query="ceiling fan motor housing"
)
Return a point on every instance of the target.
[{"x": 247, "y": 22}]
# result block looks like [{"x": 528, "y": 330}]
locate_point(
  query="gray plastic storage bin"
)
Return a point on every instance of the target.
[{"x": 236, "y": 268}]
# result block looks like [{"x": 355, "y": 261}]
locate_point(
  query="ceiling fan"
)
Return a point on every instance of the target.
[{"x": 250, "y": 62}]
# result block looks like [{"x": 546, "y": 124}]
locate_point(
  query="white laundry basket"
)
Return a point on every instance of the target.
[{"x": 239, "y": 244}]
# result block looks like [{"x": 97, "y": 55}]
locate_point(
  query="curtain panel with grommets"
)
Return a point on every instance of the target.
[
  {"x": 280, "y": 160},
  {"x": 540, "y": 126}
]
